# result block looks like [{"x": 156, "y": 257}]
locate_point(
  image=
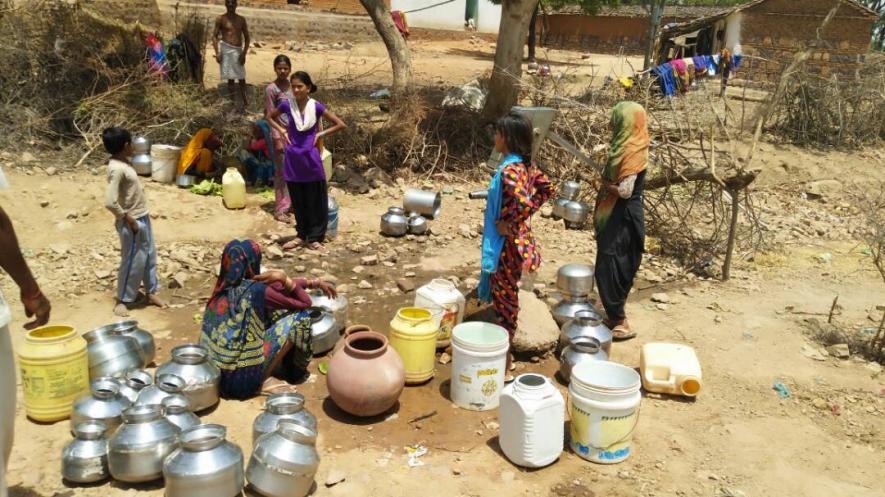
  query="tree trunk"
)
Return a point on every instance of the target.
[
  {"x": 397, "y": 50},
  {"x": 512, "y": 34},
  {"x": 656, "y": 11},
  {"x": 532, "y": 33}
]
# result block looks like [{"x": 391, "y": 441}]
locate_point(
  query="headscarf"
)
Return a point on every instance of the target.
[
  {"x": 627, "y": 155},
  {"x": 201, "y": 139},
  {"x": 265, "y": 128}
]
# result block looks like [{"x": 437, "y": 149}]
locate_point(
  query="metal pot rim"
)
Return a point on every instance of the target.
[
  {"x": 190, "y": 354},
  {"x": 144, "y": 379},
  {"x": 176, "y": 404},
  {"x": 142, "y": 413},
  {"x": 589, "y": 315},
  {"x": 105, "y": 387},
  {"x": 90, "y": 430},
  {"x": 587, "y": 345},
  {"x": 172, "y": 382},
  {"x": 284, "y": 403},
  {"x": 102, "y": 332},
  {"x": 294, "y": 431},
  {"x": 203, "y": 437}
]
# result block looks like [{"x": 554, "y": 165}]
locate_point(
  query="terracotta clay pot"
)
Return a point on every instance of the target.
[
  {"x": 367, "y": 377},
  {"x": 350, "y": 330}
]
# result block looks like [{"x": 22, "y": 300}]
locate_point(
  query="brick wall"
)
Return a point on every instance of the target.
[
  {"x": 353, "y": 7},
  {"x": 776, "y": 29},
  {"x": 599, "y": 33}
]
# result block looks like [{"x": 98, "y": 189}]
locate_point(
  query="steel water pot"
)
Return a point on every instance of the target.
[
  {"x": 282, "y": 406},
  {"x": 324, "y": 331},
  {"x": 201, "y": 376},
  {"x": 137, "y": 449},
  {"x": 141, "y": 145},
  {"x": 133, "y": 383},
  {"x": 417, "y": 224},
  {"x": 587, "y": 324},
  {"x": 104, "y": 403},
  {"x": 581, "y": 350},
  {"x": 575, "y": 280},
  {"x": 337, "y": 306},
  {"x": 394, "y": 222},
  {"x": 143, "y": 164},
  {"x": 111, "y": 353},
  {"x": 85, "y": 459},
  {"x": 559, "y": 207},
  {"x": 568, "y": 308},
  {"x": 176, "y": 409},
  {"x": 204, "y": 465},
  {"x": 575, "y": 214},
  {"x": 570, "y": 190},
  {"x": 285, "y": 461},
  {"x": 428, "y": 204},
  {"x": 143, "y": 337},
  {"x": 166, "y": 385}
]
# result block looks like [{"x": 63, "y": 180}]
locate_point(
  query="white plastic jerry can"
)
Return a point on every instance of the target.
[
  {"x": 532, "y": 421},
  {"x": 233, "y": 189},
  {"x": 670, "y": 368},
  {"x": 442, "y": 298}
]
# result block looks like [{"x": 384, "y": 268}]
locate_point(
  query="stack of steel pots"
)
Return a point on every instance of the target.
[
  {"x": 137, "y": 449},
  {"x": 567, "y": 193},
  {"x": 582, "y": 349},
  {"x": 201, "y": 376},
  {"x": 85, "y": 459},
  {"x": 111, "y": 353},
  {"x": 285, "y": 461},
  {"x": 324, "y": 331},
  {"x": 586, "y": 324},
  {"x": 575, "y": 282},
  {"x": 205, "y": 465},
  {"x": 282, "y": 406},
  {"x": 141, "y": 156},
  {"x": 143, "y": 337},
  {"x": 568, "y": 208}
]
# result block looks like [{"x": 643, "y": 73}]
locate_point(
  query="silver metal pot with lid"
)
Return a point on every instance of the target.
[
  {"x": 206, "y": 464},
  {"x": 570, "y": 190},
  {"x": 137, "y": 449},
  {"x": 285, "y": 461},
  {"x": 85, "y": 459},
  {"x": 575, "y": 214},
  {"x": 201, "y": 376},
  {"x": 282, "y": 406},
  {"x": 575, "y": 280},
  {"x": 104, "y": 403},
  {"x": 559, "y": 207},
  {"x": 568, "y": 308}
]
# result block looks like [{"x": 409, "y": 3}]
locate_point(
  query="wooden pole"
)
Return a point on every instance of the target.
[{"x": 732, "y": 234}]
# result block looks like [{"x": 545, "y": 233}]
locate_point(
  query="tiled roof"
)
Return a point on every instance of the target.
[{"x": 682, "y": 11}]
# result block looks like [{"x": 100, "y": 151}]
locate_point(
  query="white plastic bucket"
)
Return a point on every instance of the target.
[
  {"x": 479, "y": 361},
  {"x": 164, "y": 162},
  {"x": 604, "y": 402}
]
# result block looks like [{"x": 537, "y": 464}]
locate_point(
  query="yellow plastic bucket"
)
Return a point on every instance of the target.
[
  {"x": 55, "y": 371},
  {"x": 413, "y": 335}
]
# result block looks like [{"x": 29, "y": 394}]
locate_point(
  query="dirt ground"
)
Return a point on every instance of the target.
[{"x": 737, "y": 439}]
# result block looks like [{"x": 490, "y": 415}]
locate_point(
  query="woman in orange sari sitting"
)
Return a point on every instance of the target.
[{"x": 196, "y": 158}]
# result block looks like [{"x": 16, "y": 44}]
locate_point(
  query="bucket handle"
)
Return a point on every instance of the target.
[{"x": 622, "y": 439}]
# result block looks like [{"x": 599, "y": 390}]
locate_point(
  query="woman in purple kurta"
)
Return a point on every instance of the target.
[{"x": 303, "y": 164}]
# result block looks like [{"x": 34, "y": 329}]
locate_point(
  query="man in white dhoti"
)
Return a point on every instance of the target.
[{"x": 231, "y": 42}]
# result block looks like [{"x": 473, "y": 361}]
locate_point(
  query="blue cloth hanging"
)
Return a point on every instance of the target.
[
  {"x": 666, "y": 79},
  {"x": 492, "y": 241}
]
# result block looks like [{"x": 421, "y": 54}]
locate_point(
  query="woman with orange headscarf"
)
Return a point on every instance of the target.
[
  {"x": 619, "y": 218},
  {"x": 196, "y": 158}
]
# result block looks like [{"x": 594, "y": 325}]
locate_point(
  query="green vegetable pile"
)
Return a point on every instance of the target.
[{"x": 207, "y": 187}]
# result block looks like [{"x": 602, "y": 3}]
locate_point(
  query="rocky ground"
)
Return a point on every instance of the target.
[{"x": 738, "y": 438}]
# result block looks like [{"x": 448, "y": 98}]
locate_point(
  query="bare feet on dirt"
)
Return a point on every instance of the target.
[
  {"x": 155, "y": 300},
  {"x": 273, "y": 386},
  {"x": 121, "y": 310}
]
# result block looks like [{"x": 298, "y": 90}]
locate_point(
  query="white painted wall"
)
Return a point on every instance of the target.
[
  {"x": 733, "y": 32},
  {"x": 449, "y": 16}
]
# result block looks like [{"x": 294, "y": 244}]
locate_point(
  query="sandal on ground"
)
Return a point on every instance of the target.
[
  {"x": 274, "y": 386},
  {"x": 293, "y": 244},
  {"x": 622, "y": 332},
  {"x": 317, "y": 247},
  {"x": 508, "y": 378}
]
